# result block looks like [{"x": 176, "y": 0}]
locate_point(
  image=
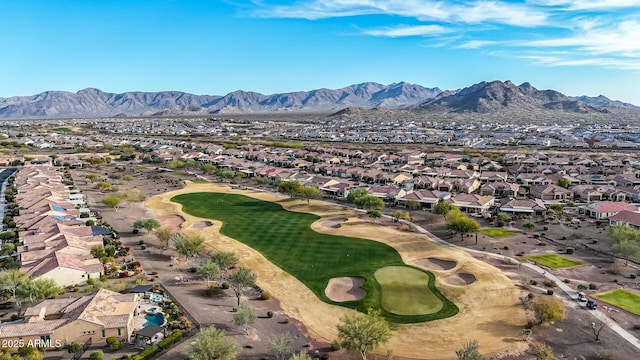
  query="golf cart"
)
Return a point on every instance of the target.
[
  {"x": 591, "y": 304},
  {"x": 582, "y": 296}
]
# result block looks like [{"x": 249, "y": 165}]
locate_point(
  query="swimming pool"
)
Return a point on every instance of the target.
[{"x": 154, "y": 319}]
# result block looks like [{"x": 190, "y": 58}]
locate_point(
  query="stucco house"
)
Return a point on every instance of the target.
[{"x": 61, "y": 321}]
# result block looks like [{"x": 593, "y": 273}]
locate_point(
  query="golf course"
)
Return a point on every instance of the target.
[{"x": 404, "y": 293}]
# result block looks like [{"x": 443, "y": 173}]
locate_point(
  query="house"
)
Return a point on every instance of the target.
[
  {"x": 523, "y": 206},
  {"x": 551, "y": 192},
  {"x": 606, "y": 209},
  {"x": 427, "y": 198},
  {"x": 628, "y": 218},
  {"x": 471, "y": 203},
  {"x": 96, "y": 316}
]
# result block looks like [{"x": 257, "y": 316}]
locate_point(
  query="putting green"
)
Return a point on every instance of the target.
[
  {"x": 287, "y": 240},
  {"x": 621, "y": 298},
  {"x": 554, "y": 261},
  {"x": 406, "y": 291}
]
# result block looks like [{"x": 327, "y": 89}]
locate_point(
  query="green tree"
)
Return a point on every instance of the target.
[
  {"x": 291, "y": 188},
  {"x": 10, "y": 280},
  {"x": 98, "y": 252},
  {"x": 374, "y": 214},
  {"x": 188, "y": 246},
  {"x": 175, "y": 164},
  {"x": 626, "y": 249},
  {"x": 7, "y": 249},
  {"x": 208, "y": 271},
  {"x": 103, "y": 186},
  {"x": 503, "y": 217},
  {"x": 363, "y": 333},
  {"x": 310, "y": 192},
  {"x": 211, "y": 344},
  {"x": 241, "y": 279},
  {"x": 148, "y": 224},
  {"x": 225, "y": 259},
  {"x": 529, "y": 226},
  {"x": 112, "y": 200},
  {"x": 164, "y": 234},
  {"x": 38, "y": 289},
  {"x": 282, "y": 346},
  {"x": 549, "y": 309},
  {"x": 626, "y": 240},
  {"x": 412, "y": 205},
  {"x": 443, "y": 208},
  {"x": 469, "y": 351},
  {"x": 461, "y": 224},
  {"x": 399, "y": 215},
  {"x": 563, "y": 182},
  {"x": 207, "y": 168},
  {"x": 244, "y": 316},
  {"x": 357, "y": 193},
  {"x": 114, "y": 343},
  {"x": 370, "y": 202}
]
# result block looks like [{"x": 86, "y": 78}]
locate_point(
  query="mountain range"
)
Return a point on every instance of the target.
[{"x": 484, "y": 97}]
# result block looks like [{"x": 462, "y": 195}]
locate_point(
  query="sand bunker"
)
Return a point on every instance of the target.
[
  {"x": 433, "y": 263},
  {"x": 461, "y": 279},
  {"x": 334, "y": 223},
  {"x": 345, "y": 289},
  {"x": 201, "y": 224}
]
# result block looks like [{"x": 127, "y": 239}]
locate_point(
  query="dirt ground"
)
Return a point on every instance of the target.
[{"x": 491, "y": 311}]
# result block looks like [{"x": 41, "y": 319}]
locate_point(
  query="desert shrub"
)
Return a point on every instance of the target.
[
  {"x": 335, "y": 345},
  {"x": 583, "y": 286},
  {"x": 550, "y": 283},
  {"x": 542, "y": 243},
  {"x": 530, "y": 296},
  {"x": 594, "y": 241},
  {"x": 96, "y": 355},
  {"x": 534, "y": 282},
  {"x": 506, "y": 247},
  {"x": 225, "y": 285},
  {"x": 73, "y": 348},
  {"x": 213, "y": 291},
  {"x": 141, "y": 242},
  {"x": 265, "y": 295},
  {"x": 114, "y": 343},
  {"x": 567, "y": 281},
  {"x": 536, "y": 236},
  {"x": 135, "y": 231},
  {"x": 143, "y": 247},
  {"x": 593, "y": 286},
  {"x": 549, "y": 292},
  {"x": 570, "y": 250},
  {"x": 633, "y": 276},
  {"x": 269, "y": 314}
]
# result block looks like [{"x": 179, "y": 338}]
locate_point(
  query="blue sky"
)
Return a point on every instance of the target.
[{"x": 578, "y": 47}]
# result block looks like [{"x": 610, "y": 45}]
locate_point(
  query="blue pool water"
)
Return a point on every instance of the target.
[{"x": 154, "y": 319}]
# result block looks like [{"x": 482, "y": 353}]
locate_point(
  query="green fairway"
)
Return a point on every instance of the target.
[
  {"x": 621, "y": 298},
  {"x": 406, "y": 291},
  {"x": 286, "y": 239},
  {"x": 554, "y": 261},
  {"x": 497, "y": 232},
  {"x": 200, "y": 181}
]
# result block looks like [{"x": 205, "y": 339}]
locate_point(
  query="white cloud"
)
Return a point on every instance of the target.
[
  {"x": 402, "y": 31},
  {"x": 621, "y": 40},
  {"x": 474, "y": 44},
  {"x": 611, "y": 63},
  {"x": 469, "y": 12},
  {"x": 590, "y": 4}
]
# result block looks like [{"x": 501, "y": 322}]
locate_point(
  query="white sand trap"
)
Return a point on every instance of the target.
[
  {"x": 433, "y": 263},
  {"x": 201, "y": 224},
  {"x": 345, "y": 289},
  {"x": 461, "y": 279}
]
